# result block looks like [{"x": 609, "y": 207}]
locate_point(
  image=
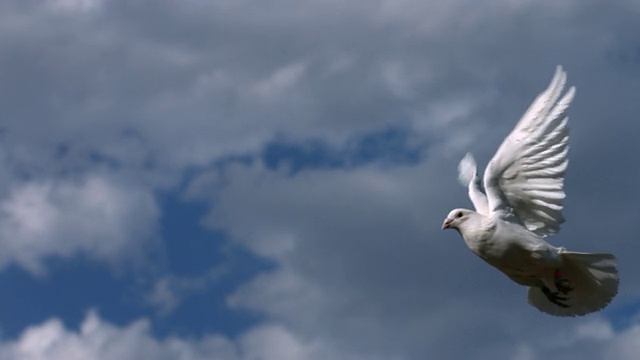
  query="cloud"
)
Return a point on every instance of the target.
[
  {"x": 589, "y": 339},
  {"x": 94, "y": 217},
  {"x": 282, "y": 79},
  {"x": 75, "y": 6},
  {"x": 169, "y": 291},
  {"x": 98, "y": 339},
  {"x": 625, "y": 346},
  {"x": 191, "y": 95},
  {"x": 360, "y": 261},
  {"x": 190, "y": 100},
  {"x": 134, "y": 97}
]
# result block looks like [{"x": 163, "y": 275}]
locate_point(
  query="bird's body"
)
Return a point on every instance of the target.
[
  {"x": 518, "y": 253},
  {"x": 521, "y": 205}
]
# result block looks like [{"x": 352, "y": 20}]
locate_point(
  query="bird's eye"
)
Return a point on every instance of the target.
[{"x": 459, "y": 214}]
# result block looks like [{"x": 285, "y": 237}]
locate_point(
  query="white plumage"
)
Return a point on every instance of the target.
[{"x": 522, "y": 204}]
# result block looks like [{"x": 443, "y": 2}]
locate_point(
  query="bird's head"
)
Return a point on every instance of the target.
[{"x": 456, "y": 218}]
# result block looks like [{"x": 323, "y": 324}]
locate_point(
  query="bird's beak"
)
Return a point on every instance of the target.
[{"x": 446, "y": 224}]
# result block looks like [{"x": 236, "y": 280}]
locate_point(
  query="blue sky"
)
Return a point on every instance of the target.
[{"x": 241, "y": 179}]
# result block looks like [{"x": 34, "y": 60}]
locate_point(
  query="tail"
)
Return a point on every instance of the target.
[{"x": 584, "y": 284}]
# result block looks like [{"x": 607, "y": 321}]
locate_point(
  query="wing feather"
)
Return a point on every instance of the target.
[
  {"x": 524, "y": 181},
  {"x": 468, "y": 176}
]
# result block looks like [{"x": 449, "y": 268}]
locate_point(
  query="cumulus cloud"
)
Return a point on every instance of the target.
[
  {"x": 589, "y": 339},
  {"x": 93, "y": 217},
  {"x": 98, "y": 339}
]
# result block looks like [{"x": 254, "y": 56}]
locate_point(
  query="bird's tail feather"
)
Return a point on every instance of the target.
[{"x": 584, "y": 284}]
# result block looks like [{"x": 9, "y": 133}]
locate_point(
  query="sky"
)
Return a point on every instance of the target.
[{"x": 266, "y": 180}]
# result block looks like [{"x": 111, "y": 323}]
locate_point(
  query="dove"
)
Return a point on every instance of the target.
[{"x": 518, "y": 205}]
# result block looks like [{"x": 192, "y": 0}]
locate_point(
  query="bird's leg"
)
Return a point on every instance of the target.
[
  {"x": 561, "y": 283},
  {"x": 554, "y": 297}
]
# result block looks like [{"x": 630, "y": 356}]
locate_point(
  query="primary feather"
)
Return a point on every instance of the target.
[
  {"x": 525, "y": 177},
  {"x": 522, "y": 204}
]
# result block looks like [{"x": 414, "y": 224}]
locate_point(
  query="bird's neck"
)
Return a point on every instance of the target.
[{"x": 476, "y": 230}]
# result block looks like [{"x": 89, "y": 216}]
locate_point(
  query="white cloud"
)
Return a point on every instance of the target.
[
  {"x": 625, "y": 346},
  {"x": 169, "y": 291},
  {"x": 274, "y": 342},
  {"x": 100, "y": 340},
  {"x": 75, "y": 6},
  {"x": 279, "y": 81},
  {"x": 94, "y": 216},
  {"x": 594, "y": 330},
  {"x": 584, "y": 339},
  {"x": 523, "y": 352},
  {"x": 97, "y": 339}
]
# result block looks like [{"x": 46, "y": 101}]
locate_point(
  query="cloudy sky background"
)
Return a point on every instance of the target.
[{"x": 248, "y": 179}]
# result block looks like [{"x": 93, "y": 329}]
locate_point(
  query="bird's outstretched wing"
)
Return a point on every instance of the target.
[{"x": 524, "y": 180}]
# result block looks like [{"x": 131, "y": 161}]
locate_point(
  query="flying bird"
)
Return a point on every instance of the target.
[{"x": 519, "y": 204}]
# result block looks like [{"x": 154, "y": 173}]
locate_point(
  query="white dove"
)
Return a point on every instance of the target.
[{"x": 521, "y": 205}]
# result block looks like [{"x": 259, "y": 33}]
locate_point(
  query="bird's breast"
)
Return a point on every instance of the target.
[{"x": 508, "y": 252}]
